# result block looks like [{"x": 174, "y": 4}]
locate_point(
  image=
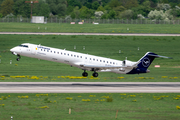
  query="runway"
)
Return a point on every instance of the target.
[
  {"x": 89, "y": 87},
  {"x": 113, "y": 34}
]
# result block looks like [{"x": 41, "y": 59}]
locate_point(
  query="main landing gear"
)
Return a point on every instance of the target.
[
  {"x": 95, "y": 74},
  {"x": 18, "y": 57},
  {"x": 85, "y": 74}
]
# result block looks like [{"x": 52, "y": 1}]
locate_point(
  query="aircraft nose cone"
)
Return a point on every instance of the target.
[{"x": 12, "y": 50}]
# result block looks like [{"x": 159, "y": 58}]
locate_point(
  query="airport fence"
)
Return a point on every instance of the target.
[{"x": 90, "y": 21}]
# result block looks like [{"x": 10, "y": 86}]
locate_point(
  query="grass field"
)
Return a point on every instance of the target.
[
  {"x": 96, "y": 106},
  {"x": 89, "y": 106},
  {"x": 30, "y": 69},
  {"x": 90, "y": 28}
]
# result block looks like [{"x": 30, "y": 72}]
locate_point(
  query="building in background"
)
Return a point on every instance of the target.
[{"x": 37, "y": 19}]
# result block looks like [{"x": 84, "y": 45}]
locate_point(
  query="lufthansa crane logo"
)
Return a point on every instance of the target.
[{"x": 146, "y": 62}]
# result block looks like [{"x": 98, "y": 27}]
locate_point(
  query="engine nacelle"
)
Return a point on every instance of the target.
[{"x": 128, "y": 63}]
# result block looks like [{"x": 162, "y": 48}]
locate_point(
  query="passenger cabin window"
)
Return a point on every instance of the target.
[
  {"x": 57, "y": 52},
  {"x": 54, "y": 51},
  {"x": 81, "y": 57},
  {"x": 94, "y": 59},
  {"x": 64, "y": 53}
]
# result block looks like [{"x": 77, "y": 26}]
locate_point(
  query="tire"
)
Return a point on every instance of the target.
[
  {"x": 84, "y": 74},
  {"x": 95, "y": 74}
]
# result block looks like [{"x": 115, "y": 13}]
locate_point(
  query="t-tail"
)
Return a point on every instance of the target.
[{"x": 143, "y": 64}]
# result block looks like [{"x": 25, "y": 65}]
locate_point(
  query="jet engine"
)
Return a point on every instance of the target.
[{"x": 128, "y": 63}]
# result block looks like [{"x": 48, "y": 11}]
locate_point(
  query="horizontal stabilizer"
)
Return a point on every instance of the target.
[{"x": 159, "y": 56}]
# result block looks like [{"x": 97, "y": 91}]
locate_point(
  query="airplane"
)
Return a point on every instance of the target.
[{"x": 85, "y": 62}]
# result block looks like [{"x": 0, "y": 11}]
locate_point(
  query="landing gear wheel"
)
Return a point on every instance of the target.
[
  {"x": 95, "y": 74},
  {"x": 84, "y": 74},
  {"x": 17, "y": 59}
]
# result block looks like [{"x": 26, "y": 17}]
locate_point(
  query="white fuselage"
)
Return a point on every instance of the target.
[{"x": 72, "y": 58}]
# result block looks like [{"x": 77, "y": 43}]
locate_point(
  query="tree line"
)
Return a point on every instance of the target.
[{"x": 85, "y": 9}]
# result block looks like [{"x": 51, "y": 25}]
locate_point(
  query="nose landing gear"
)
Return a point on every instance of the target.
[{"x": 18, "y": 57}]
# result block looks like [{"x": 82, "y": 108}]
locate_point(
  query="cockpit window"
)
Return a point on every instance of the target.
[{"x": 23, "y": 46}]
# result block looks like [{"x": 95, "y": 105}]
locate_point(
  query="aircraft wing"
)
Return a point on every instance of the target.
[{"x": 100, "y": 67}]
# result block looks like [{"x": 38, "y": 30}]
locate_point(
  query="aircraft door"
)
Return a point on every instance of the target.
[{"x": 33, "y": 49}]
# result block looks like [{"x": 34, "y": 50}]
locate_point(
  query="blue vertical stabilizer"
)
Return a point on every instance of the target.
[{"x": 145, "y": 62}]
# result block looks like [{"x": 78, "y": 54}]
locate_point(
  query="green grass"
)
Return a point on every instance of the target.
[
  {"x": 91, "y": 106},
  {"x": 105, "y": 46},
  {"x": 90, "y": 28}
]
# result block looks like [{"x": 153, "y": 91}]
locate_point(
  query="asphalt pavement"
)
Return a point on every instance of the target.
[{"x": 89, "y": 87}]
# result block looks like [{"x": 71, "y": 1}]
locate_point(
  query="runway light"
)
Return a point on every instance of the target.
[
  {"x": 69, "y": 110},
  {"x": 10, "y": 61},
  {"x": 119, "y": 51},
  {"x": 11, "y": 117}
]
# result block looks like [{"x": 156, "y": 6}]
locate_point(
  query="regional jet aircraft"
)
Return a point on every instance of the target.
[{"x": 84, "y": 61}]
